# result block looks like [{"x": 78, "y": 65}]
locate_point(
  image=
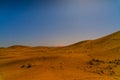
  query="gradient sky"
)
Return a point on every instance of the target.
[{"x": 56, "y": 22}]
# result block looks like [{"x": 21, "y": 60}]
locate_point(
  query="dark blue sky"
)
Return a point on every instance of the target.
[{"x": 55, "y": 22}]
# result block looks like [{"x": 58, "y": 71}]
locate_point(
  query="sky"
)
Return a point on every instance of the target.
[{"x": 56, "y": 22}]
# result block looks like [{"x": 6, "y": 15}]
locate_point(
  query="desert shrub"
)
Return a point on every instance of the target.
[
  {"x": 112, "y": 72},
  {"x": 109, "y": 67},
  {"x": 26, "y": 66},
  {"x": 95, "y": 62},
  {"x": 22, "y": 66},
  {"x": 29, "y": 66},
  {"x": 100, "y": 72}
]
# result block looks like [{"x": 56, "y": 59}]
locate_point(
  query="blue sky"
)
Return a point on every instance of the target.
[{"x": 56, "y": 23}]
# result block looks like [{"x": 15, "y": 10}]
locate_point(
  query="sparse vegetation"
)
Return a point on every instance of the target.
[{"x": 26, "y": 66}]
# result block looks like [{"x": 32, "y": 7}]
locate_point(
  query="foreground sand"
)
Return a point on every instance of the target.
[{"x": 51, "y": 68}]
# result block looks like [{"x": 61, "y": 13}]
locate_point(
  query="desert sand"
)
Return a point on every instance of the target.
[{"x": 97, "y": 59}]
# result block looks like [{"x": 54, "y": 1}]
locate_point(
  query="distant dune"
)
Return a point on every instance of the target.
[
  {"x": 86, "y": 60},
  {"x": 18, "y": 46}
]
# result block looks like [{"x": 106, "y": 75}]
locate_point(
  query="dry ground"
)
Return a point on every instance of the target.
[{"x": 87, "y": 60}]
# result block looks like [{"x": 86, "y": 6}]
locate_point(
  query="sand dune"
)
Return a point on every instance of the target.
[{"x": 87, "y": 60}]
